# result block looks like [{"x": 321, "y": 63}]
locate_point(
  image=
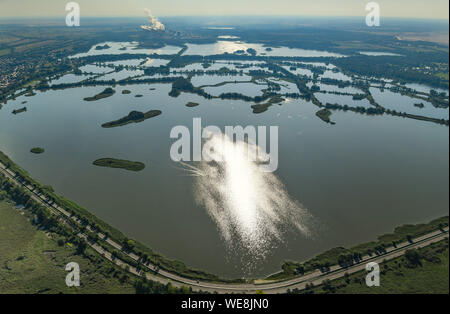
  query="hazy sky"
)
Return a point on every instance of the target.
[{"x": 389, "y": 8}]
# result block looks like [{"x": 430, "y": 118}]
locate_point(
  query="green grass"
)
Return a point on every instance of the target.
[
  {"x": 31, "y": 261},
  {"x": 399, "y": 275},
  {"x": 119, "y": 163}
]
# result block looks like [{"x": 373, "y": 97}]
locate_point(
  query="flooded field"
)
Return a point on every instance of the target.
[{"x": 347, "y": 182}]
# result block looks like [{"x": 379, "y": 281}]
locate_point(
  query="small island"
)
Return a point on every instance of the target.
[
  {"x": 126, "y": 92},
  {"x": 133, "y": 117},
  {"x": 16, "y": 111},
  {"x": 251, "y": 51},
  {"x": 182, "y": 85},
  {"x": 119, "y": 163},
  {"x": 138, "y": 96},
  {"x": 260, "y": 108},
  {"x": 105, "y": 46},
  {"x": 192, "y": 104},
  {"x": 108, "y": 92},
  {"x": 419, "y": 105},
  {"x": 325, "y": 115},
  {"x": 37, "y": 150}
]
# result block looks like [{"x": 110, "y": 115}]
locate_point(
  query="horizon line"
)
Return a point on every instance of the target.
[{"x": 234, "y": 15}]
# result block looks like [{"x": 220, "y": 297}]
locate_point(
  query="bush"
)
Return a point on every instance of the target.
[{"x": 413, "y": 258}]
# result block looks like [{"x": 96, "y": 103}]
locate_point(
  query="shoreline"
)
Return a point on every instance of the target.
[{"x": 214, "y": 282}]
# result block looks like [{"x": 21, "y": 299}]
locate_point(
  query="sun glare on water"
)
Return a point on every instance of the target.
[{"x": 251, "y": 208}]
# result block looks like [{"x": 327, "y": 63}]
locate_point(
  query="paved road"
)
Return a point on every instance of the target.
[{"x": 316, "y": 277}]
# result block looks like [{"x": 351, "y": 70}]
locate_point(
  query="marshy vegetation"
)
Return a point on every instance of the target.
[
  {"x": 132, "y": 117},
  {"x": 119, "y": 163},
  {"x": 108, "y": 92},
  {"x": 324, "y": 115},
  {"x": 17, "y": 111},
  {"x": 37, "y": 150}
]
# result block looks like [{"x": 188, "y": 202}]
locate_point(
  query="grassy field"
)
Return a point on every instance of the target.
[
  {"x": 400, "y": 275},
  {"x": 32, "y": 261}
]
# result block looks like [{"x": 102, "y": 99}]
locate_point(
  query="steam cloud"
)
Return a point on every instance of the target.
[{"x": 155, "y": 24}]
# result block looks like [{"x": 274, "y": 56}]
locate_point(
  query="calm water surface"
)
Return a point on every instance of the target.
[{"x": 358, "y": 179}]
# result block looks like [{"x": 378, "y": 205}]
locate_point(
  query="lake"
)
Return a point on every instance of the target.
[{"x": 354, "y": 180}]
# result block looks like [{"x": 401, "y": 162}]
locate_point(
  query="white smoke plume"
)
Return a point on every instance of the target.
[{"x": 155, "y": 24}]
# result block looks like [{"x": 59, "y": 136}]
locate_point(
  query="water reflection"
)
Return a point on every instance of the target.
[
  {"x": 251, "y": 208},
  {"x": 222, "y": 46}
]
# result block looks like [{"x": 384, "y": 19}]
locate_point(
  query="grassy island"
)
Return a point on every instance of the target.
[
  {"x": 108, "y": 92},
  {"x": 37, "y": 150},
  {"x": 324, "y": 115},
  {"x": 100, "y": 47},
  {"x": 119, "y": 163},
  {"x": 16, "y": 111},
  {"x": 260, "y": 108},
  {"x": 192, "y": 104},
  {"x": 133, "y": 117},
  {"x": 183, "y": 85},
  {"x": 126, "y": 92}
]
